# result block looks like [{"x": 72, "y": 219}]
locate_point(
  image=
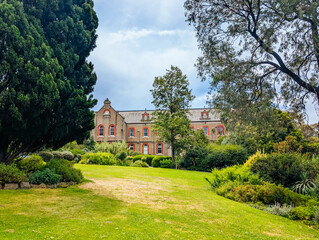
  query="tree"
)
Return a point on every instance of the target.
[
  {"x": 45, "y": 79},
  {"x": 257, "y": 51},
  {"x": 172, "y": 98}
]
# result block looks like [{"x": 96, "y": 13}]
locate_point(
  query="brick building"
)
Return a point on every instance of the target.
[{"x": 134, "y": 127}]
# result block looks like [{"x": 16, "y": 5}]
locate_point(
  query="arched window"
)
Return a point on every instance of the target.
[
  {"x": 220, "y": 130},
  {"x": 192, "y": 127},
  {"x": 131, "y": 132},
  {"x": 131, "y": 147},
  {"x": 159, "y": 148},
  {"x": 100, "y": 130},
  {"x": 145, "y": 117},
  {"x": 145, "y": 148},
  {"x": 145, "y": 132},
  {"x": 111, "y": 130},
  {"x": 206, "y": 130},
  {"x": 107, "y": 112}
]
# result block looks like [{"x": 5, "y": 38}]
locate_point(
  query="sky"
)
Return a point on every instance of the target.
[{"x": 139, "y": 40}]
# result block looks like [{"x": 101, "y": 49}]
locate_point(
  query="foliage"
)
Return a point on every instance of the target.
[
  {"x": 289, "y": 145},
  {"x": 166, "y": 163},
  {"x": 156, "y": 162},
  {"x": 140, "y": 163},
  {"x": 279, "y": 209},
  {"x": 46, "y": 176},
  {"x": 11, "y": 174},
  {"x": 115, "y": 148},
  {"x": 66, "y": 170},
  {"x": 252, "y": 55},
  {"x": 302, "y": 213},
  {"x": 305, "y": 185},
  {"x": 231, "y": 174},
  {"x": 145, "y": 158},
  {"x": 252, "y": 159},
  {"x": 68, "y": 155},
  {"x": 171, "y": 98},
  {"x": 46, "y": 156},
  {"x": 100, "y": 158},
  {"x": 279, "y": 168},
  {"x": 46, "y": 81},
  {"x": 31, "y": 163}
]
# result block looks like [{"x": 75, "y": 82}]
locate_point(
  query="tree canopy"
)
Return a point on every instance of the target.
[
  {"x": 172, "y": 98},
  {"x": 258, "y": 54},
  {"x": 45, "y": 79}
]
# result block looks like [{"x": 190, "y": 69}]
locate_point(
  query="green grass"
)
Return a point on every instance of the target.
[{"x": 138, "y": 203}]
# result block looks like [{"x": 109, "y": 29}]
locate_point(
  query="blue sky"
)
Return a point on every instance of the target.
[{"x": 138, "y": 40}]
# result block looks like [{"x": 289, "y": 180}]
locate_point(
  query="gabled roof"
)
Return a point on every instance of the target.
[{"x": 195, "y": 115}]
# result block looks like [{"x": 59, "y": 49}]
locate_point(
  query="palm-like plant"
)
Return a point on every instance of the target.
[{"x": 305, "y": 185}]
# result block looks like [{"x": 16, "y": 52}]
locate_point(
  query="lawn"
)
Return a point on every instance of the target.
[{"x": 138, "y": 203}]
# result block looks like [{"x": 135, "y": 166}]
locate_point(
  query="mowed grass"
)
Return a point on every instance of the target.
[{"x": 138, "y": 203}]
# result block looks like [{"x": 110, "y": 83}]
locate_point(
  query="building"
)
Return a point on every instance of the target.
[{"x": 134, "y": 127}]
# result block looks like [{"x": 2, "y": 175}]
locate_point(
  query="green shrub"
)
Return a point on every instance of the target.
[
  {"x": 67, "y": 155},
  {"x": 234, "y": 173},
  {"x": 46, "y": 176},
  {"x": 77, "y": 151},
  {"x": 11, "y": 174},
  {"x": 166, "y": 163},
  {"x": 221, "y": 156},
  {"x": 279, "y": 209},
  {"x": 129, "y": 158},
  {"x": 145, "y": 158},
  {"x": 140, "y": 163},
  {"x": 100, "y": 158},
  {"x": 57, "y": 155},
  {"x": 31, "y": 163},
  {"x": 66, "y": 170},
  {"x": 46, "y": 156},
  {"x": 156, "y": 161},
  {"x": 279, "y": 168},
  {"x": 302, "y": 213},
  {"x": 121, "y": 156}
]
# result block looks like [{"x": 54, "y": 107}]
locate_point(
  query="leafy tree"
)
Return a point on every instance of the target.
[
  {"x": 45, "y": 79},
  {"x": 171, "y": 98},
  {"x": 256, "y": 51}
]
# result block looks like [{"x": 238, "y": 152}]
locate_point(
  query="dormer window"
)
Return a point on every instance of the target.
[
  {"x": 145, "y": 117},
  {"x": 204, "y": 114}
]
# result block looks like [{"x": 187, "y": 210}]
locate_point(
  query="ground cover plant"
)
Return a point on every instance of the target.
[{"x": 138, "y": 203}]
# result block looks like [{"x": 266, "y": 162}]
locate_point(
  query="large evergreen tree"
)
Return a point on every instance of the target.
[
  {"x": 257, "y": 53},
  {"x": 45, "y": 79},
  {"x": 172, "y": 98}
]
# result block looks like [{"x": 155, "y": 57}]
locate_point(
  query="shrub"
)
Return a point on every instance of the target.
[
  {"x": 302, "y": 213},
  {"x": 100, "y": 158},
  {"x": 65, "y": 169},
  {"x": 46, "y": 176},
  {"x": 122, "y": 156},
  {"x": 11, "y": 174},
  {"x": 156, "y": 161},
  {"x": 129, "y": 158},
  {"x": 67, "y": 155},
  {"x": 140, "y": 163},
  {"x": 234, "y": 173},
  {"x": 57, "y": 155},
  {"x": 253, "y": 158},
  {"x": 166, "y": 163},
  {"x": 146, "y": 158},
  {"x": 221, "y": 156},
  {"x": 284, "y": 168},
  {"x": 31, "y": 163},
  {"x": 46, "y": 156},
  {"x": 279, "y": 209},
  {"x": 305, "y": 185},
  {"x": 77, "y": 151}
]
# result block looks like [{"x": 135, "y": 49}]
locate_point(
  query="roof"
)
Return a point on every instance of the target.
[{"x": 195, "y": 115}]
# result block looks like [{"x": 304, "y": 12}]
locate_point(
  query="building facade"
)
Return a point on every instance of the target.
[{"x": 134, "y": 127}]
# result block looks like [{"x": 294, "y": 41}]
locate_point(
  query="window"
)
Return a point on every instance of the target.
[
  {"x": 100, "y": 130},
  {"x": 192, "y": 128},
  {"x": 107, "y": 113},
  {"x": 112, "y": 130},
  {"x": 131, "y": 132},
  {"x": 220, "y": 130},
  {"x": 145, "y": 117},
  {"x": 131, "y": 147},
  {"x": 159, "y": 148},
  {"x": 145, "y": 148},
  {"x": 206, "y": 130},
  {"x": 145, "y": 132}
]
